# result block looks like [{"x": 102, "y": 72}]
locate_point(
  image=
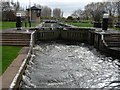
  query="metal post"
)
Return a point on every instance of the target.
[
  {"x": 105, "y": 21},
  {"x": 18, "y": 21},
  {"x": 30, "y": 13}
]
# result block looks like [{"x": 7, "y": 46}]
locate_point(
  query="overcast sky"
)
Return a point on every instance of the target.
[{"x": 67, "y": 6}]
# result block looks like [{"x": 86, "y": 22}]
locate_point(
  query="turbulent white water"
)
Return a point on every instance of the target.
[{"x": 58, "y": 65}]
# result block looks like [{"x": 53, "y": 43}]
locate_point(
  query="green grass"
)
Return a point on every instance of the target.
[
  {"x": 9, "y": 53},
  {"x": 79, "y": 24},
  {"x": 6, "y": 25},
  {"x": 34, "y": 24},
  {"x": 0, "y": 25},
  {"x": 86, "y": 24},
  {"x": 116, "y": 28}
]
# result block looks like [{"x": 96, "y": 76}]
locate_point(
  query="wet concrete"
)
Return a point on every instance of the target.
[{"x": 61, "y": 65}]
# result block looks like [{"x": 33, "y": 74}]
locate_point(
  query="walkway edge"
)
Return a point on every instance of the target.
[
  {"x": 15, "y": 82},
  {"x": 13, "y": 68}
]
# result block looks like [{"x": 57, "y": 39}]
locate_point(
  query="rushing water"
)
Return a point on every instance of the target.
[{"x": 58, "y": 65}]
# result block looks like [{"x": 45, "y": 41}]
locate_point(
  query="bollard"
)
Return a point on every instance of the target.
[
  {"x": 105, "y": 21},
  {"x": 18, "y": 21},
  {"x": 25, "y": 24},
  {"x": 29, "y": 23}
]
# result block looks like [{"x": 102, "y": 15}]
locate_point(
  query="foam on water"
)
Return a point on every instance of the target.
[{"x": 57, "y": 65}]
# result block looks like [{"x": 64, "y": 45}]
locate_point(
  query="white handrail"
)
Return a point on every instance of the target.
[
  {"x": 12, "y": 85},
  {"x": 103, "y": 40}
]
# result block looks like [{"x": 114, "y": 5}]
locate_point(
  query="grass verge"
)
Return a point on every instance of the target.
[
  {"x": 79, "y": 24},
  {"x": 6, "y": 25},
  {"x": 86, "y": 24},
  {"x": 116, "y": 28},
  {"x": 9, "y": 53}
]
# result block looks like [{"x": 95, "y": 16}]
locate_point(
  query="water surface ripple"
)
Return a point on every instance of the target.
[{"x": 58, "y": 65}]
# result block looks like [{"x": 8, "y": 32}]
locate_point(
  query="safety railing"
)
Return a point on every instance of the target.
[{"x": 19, "y": 74}]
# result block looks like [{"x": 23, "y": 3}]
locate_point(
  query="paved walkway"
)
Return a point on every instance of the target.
[
  {"x": 13, "y": 30},
  {"x": 12, "y": 70},
  {"x": 0, "y": 83}
]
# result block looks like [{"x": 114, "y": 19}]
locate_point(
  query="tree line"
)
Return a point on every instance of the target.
[
  {"x": 9, "y": 10},
  {"x": 95, "y": 11},
  {"x": 47, "y": 12}
]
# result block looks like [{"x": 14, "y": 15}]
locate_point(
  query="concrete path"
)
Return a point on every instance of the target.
[
  {"x": 12, "y": 70},
  {"x": 0, "y": 83}
]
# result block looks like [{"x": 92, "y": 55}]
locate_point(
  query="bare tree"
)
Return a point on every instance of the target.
[
  {"x": 15, "y": 6},
  {"x": 57, "y": 13},
  {"x": 87, "y": 15},
  {"x": 62, "y": 13},
  {"x": 0, "y": 11},
  {"x": 77, "y": 13},
  {"x": 39, "y": 6},
  {"x": 46, "y": 11},
  {"x": 110, "y": 7},
  {"x": 8, "y": 6},
  {"x": 5, "y": 6},
  {"x": 9, "y": 10},
  {"x": 118, "y": 10},
  {"x": 95, "y": 10}
]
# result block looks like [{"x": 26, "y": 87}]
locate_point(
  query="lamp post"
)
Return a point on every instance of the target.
[{"x": 29, "y": 13}]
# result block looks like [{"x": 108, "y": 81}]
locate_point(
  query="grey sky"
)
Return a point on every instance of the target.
[{"x": 67, "y": 6}]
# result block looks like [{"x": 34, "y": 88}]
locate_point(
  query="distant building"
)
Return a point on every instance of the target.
[{"x": 34, "y": 13}]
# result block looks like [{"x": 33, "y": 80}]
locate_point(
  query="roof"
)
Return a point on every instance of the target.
[{"x": 33, "y": 8}]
